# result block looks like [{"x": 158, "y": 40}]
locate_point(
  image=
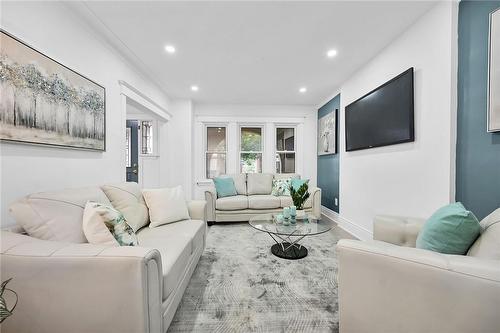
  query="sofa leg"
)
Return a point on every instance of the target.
[{"x": 209, "y": 223}]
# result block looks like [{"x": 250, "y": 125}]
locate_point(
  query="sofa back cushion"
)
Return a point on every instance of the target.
[
  {"x": 127, "y": 198},
  {"x": 286, "y": 176},
  {"x": 56, "y": 216},
  {"x": 240, "y": 182},
  {"x": 488, "y": 244},
  {"x": 259, "y": 183}
]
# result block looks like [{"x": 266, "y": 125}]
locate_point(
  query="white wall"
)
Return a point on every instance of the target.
[
  {"x": 411, "y": 179},
  {"x": 302, "y": 117},
  {"x": 52, "y": 29}
]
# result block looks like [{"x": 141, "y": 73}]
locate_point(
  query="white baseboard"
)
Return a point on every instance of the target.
[{"x": 349, "y": 226}]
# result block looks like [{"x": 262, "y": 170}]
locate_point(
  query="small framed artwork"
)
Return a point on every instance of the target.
[
  {"x": 493, "y": 120},
  {"x": 327, "y": 134},
  {"x": 45, "y": 102}
]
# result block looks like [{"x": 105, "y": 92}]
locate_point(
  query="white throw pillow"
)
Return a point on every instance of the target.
[
  {"x": 102, "y": 224},
  {"x": 165, "y": 205}
]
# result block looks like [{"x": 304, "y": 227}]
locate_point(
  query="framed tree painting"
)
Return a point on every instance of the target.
[
  {"x": 327, "y": 134},
  {"x": 494, "y": 74},
  {"x": 45, "y": 102}
]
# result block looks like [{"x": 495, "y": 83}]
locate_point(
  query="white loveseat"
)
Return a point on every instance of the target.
[
  {"x": 74, "y": 286},
  {"x": 387, "y": 285},
  {"x": 254, "y": 198}
]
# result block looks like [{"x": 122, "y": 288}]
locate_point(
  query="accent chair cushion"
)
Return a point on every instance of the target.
[
  {"x": 263, "y": 201},
  {"x": 281, "y": 187},
  {"x": 102, "y": 224},
  {"x": 240, "y": 182},
  {"x": 487, "y": 245},
  {"x": 127, "y": 198},
  {"x": 451, "y": 229},
  {"x": 259, "y": 183},
  {"x": 236, "y": 202},
  {"x": 224, "y": 187},
  {"x": 56, "y": 216},
  {"x": 166, "y": 205}
]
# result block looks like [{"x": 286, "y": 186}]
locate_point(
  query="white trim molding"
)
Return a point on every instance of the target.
[
  {"x": 349, "y": 226},
  {"x": 137, "y": 96}
]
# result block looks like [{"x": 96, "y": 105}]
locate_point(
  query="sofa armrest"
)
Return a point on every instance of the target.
[
  {"x": 389, "y": 288},
  {"x": 196, "y": 209},
  {"x": 397, "y": 230},
  {"x": 66, "y": 287},
  {"x": 210, "y": 197},
  {"x": 315, "y": 196}
]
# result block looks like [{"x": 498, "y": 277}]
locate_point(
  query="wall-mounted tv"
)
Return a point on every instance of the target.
[{"x": 382, "y": 117}]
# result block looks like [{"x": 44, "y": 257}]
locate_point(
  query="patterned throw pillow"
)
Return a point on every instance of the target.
[
  {"x": 102, "y": 224},
  {"x": 281, "y": 187}
]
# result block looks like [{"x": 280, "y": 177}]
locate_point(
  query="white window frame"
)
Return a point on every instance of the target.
[
  {"x": 294, "y": 151},
  {"x": 205, "y": 145},
  {"x": 262, "y": 143}
]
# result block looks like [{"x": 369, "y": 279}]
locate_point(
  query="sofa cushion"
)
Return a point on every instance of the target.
[
  {"x": 175, "y": 241},
  {"x": 263, "y": 201},
  {"x": 488, "y": 244},
  {"x": 286, "y": 201},
  {"x": 224, "y": 186},
  {"x": 166, "y": 205},
  {"x": 127, "y": 198},
  {"x": 240, "y": 182},
  {"x": 281, "y": 187},
  {"x": 232, "y": 203},
  {"x": 56, "y": 216},
  {"x": 259, "y": 183},
  {"x": 286, "y": 175}
]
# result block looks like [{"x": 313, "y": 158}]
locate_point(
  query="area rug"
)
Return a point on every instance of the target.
[{"x": 239, "y": 286}]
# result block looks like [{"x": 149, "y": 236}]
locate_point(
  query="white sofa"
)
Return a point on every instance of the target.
[
  {"x": 71, "y": 286},
  {"x": 254, "y": 198},
  {"x": 387, "y": 285}
]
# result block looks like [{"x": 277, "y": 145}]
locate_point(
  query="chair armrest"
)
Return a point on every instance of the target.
[
  {"x": 315, "y": 196},
  {"x": 397, "y": 230},
  {"x": 66, "y": 287},
  {"x": 210, "y": 197},
  {"x": 196, "y": 209},
  {"x": 389, "y": 288}
]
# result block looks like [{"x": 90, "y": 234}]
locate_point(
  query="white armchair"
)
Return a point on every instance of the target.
[{"x": 387, "y": 285}]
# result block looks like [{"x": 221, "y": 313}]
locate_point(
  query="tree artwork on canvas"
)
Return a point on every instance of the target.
[{"x": 45, "y": 102}]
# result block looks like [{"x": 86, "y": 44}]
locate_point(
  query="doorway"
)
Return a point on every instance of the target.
[{"x": 132, "y": 151}]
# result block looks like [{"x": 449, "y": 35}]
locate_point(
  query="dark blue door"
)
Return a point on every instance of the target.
[{"x": 133, "y": 165}]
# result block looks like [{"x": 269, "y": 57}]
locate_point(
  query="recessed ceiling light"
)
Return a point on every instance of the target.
[
  {"x": 303, "y": 90},
  {"x": 170, "y": 49},
  {"x": 331, "y": 53},
  {"x": 194, "y": 88}
]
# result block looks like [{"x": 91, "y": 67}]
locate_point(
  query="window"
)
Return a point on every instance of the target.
[
  {"x": 251, "y": 149},
  {"x": 146, "y": 137},
  {"x": 128, "y": 147},
  {"x": 215, "y": 153},
  {"x": 285, "y": 150}
]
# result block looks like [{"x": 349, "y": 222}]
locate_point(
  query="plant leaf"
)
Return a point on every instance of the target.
[
  {"x": 4, "y": 312},
  {"x": 3, "y": 285}
]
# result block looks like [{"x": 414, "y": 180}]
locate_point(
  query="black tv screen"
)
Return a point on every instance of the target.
[{"x": 382, "y": 117}]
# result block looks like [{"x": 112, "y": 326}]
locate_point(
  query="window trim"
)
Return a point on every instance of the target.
[
  {"x": 294, "y": 151},
  {"x": 262, "y": 143},
  {"x": 205, "y": 145}
]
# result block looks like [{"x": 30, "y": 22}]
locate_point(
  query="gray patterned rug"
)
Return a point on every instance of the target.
[{"x": 239, "y": 286}]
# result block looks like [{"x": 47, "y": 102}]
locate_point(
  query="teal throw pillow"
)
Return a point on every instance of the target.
[
  {"x": 297, "y": 183},
  {"x": 451, "y": 229},
  {"x": 225, "y": 187},
  {"x": 281, "y": 187}
]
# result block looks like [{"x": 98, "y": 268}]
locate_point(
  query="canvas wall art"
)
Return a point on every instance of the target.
[
  {"x": 494, "y": 74},
  {"x": 327, "y": 134},
  {"x": 44, "y": 102}
]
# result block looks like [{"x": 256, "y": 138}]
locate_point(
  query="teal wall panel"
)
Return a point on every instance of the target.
[
  {"x": 328, "y": 165},
  {"x": 478, "y": 152}
]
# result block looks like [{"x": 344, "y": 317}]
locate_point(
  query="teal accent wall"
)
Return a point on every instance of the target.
[
  {"x": 328, "y": 165},
  {"x": 478, "y": 152}
]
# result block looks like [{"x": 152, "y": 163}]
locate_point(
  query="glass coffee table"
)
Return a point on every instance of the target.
[{"x": 287, "y": 237}]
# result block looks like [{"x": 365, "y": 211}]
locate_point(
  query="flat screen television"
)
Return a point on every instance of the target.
[{"x": 382, "y": 117}]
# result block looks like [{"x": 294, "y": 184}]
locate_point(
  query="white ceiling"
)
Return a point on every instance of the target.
[{"x": 253, "y": 52}]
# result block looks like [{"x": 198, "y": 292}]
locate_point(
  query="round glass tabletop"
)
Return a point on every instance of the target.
[{"x": 302, "y": 227}]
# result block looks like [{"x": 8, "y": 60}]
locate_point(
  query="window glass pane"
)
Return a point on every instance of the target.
[
  {"x": 216, "y": 139},
  {"x": 128, "y": 148},
  {"x": 285, "y": 139},
  {"x": 285, "y": 163},
  {"x": 251, "y": 162},
  {"x": 216, "y": 164},
  {"x": 251, "y": 139},
  {"x": 147, "y": 137}
]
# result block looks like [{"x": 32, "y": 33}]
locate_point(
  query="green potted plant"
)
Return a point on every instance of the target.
[
  {"x": 299, "y": 197},
  {"x": 4, "y": 311}
]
